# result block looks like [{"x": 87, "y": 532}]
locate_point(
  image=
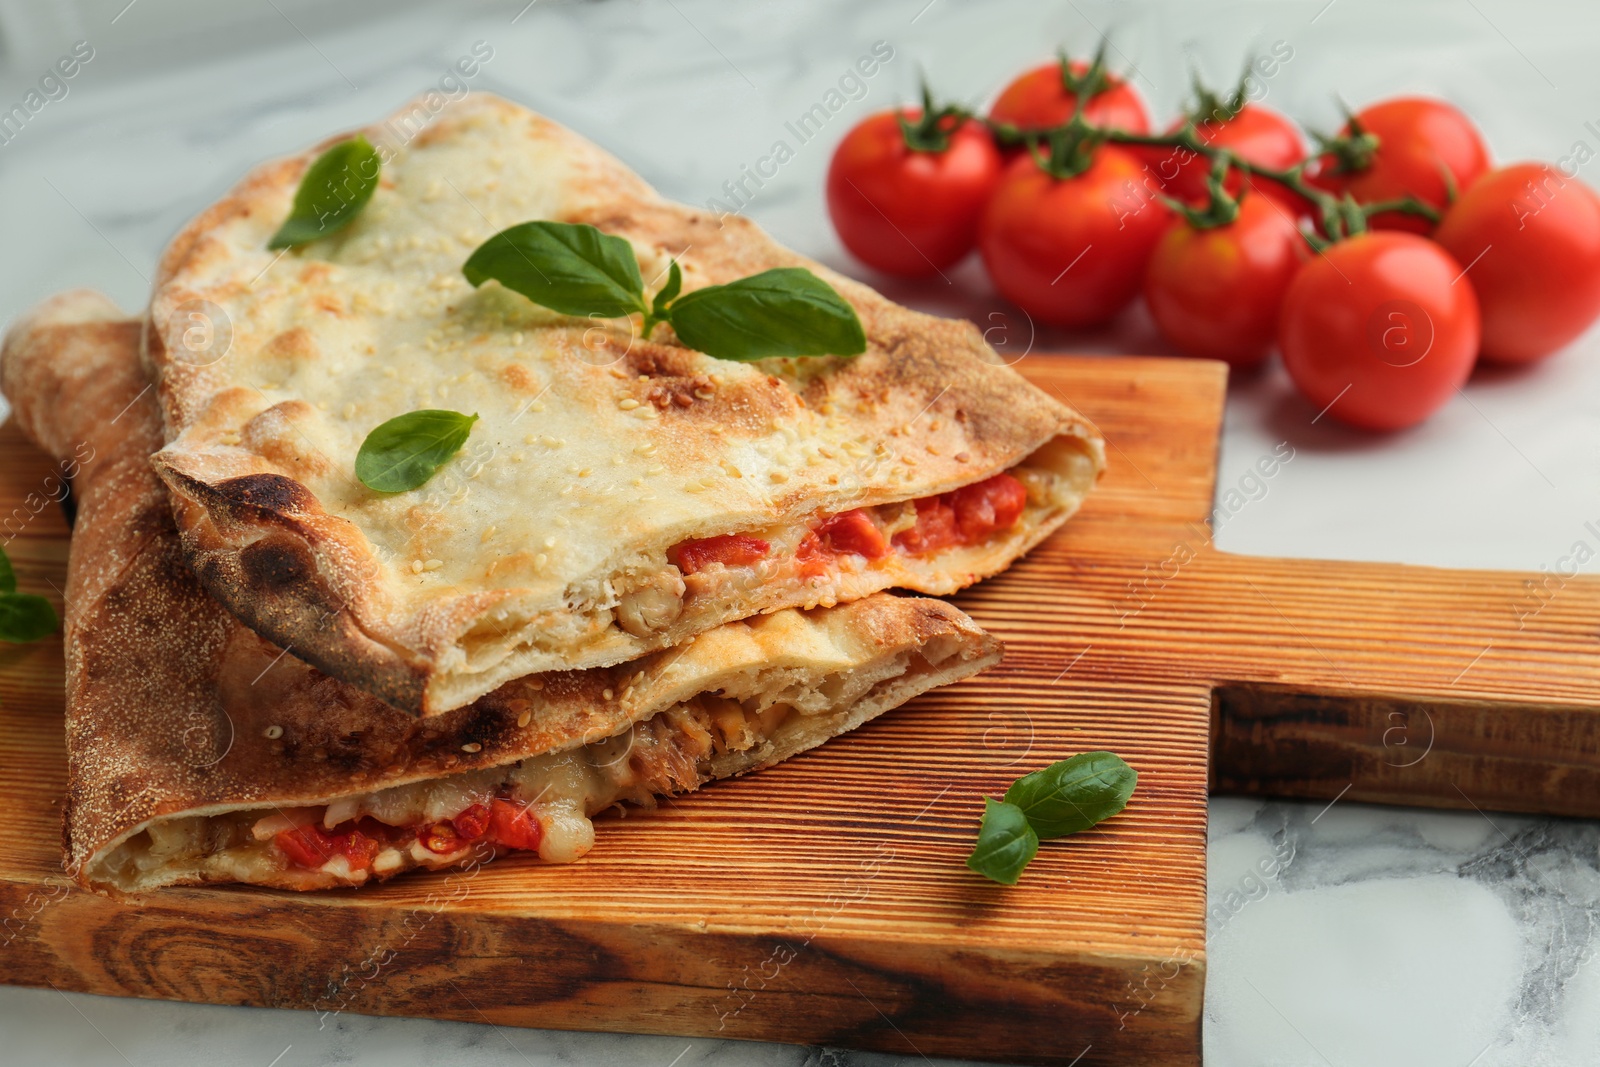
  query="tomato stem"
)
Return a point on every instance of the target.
[
  {"x": 1352, "y": 151},
  {"x": 1092, "y": 82},
  {"x": 932, "y": 129},
  {"x": 1071, "y": 148}
]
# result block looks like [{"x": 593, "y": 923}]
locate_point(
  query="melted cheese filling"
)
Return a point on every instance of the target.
[{"x": 671, "y": 752}]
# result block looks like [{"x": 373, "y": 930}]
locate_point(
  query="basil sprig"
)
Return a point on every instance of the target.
[
  {"x": 23, "y": 616},
  {"x": 406, "y": 451},
  {"x": 1063, "y": 798},
  {"x": 333, "y": 191},
  {"x": 577, "y": 270}
]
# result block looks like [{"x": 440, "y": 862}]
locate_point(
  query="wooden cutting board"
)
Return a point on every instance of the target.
[{"x": 825, "y": 901}]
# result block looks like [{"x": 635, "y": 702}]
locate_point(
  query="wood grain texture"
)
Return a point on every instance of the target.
[{"x": 825, "y": 900}]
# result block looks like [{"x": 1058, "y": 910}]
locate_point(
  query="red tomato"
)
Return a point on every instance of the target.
[
  {"x": 1419, "y": 140},
  {"x": 1375, "y": 331},
  {"x": 1215, "y": 292},
  {"x": 511, "y": 824},
  {"x": 306, "y": 846},
  {"x": 993, "y": 504},
  {"x": 440, "y": 838},
  {"x": 853, "y": 531},
  {"x": 904, "y": 211},
  {"x": 1071, "y": 251},
  {"x": 359, "y": 850},
  {"x": 472, "y": 823},
  {"x": 1530, "y": 240},
  {"x": 965, "y": 516},
  {"x": 730, "y": 550},
  {"x": 311, "y": 846},
  {"x": 1256, "y": 135},
  {"x": 1039, "y": 99},
  {"x": 935, "y": 529}
]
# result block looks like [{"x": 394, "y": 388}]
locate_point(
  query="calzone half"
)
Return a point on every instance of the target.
[
  {"x": 199, "y": 752},
  {"x": 617, "y": 495}
]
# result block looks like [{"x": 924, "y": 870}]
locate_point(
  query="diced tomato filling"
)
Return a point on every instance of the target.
[
  {"x": 962, "y": 517},
  {"x": 854, "y": 531},
  {"x": 504, "y": 822},
  {"x": 441, "y": 839},
  {"x": 849, "y": 532},
  {"x": 513, "y": 825},
  {"x": 359, "y": 849},
  {"x": 935, "y": 529},
  {"x": 472, "y": 823},
  {"x": 306, "y": 846},
  {"x": 730, "y": 550},
  {"x": 965, "y": 516}
]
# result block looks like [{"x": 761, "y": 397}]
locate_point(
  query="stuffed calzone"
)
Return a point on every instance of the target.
[
  {"x": 200, "y": 752},
  {"x": 616, "y": 495}
]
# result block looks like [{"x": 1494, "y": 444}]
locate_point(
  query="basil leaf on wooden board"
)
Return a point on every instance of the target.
[
  {"x": 787, "y": 311},
  {"x": 25, "y": 617},
  {"x": 333, "y": 191},
  {"x": 1006, "y": 843},
  {"x": 406, "y": 451},
  {"x": 567, "y": 267},
  {"x": 8, "y": 577},
  {"x": 1074, "y": 794}
]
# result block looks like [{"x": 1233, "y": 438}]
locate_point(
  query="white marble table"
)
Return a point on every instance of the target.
[{"x": 1382, "y": 936}]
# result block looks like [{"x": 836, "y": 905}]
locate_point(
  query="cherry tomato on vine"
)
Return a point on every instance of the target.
[
  {"x": 1042, "y": 97},
  {"x": 1375, "y": 332},
  {"x": 1256, "y": 134},
  {"x": 1071, "y": 251},
  {"x": 1529, "y": 238},
  {"x": 1215, "y": 291},
  {"x": 911, "y": 211},
  {"x": 1419, "y": 141}
]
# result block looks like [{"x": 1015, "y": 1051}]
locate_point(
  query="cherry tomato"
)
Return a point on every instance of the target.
[
  {"x": 1039, "y": 99},
  {"x": 1375, "y": 331},
  {"x": 730, "y": 550},
  {"x": 1530, "y": 241},
  {"x": 1215, "y": 292},
  {"x": 1255, "y": 134},
  {"x": 904, "y": 211},
  {"x": 1071, "y": 251},
  {"x": 1419, "y": 140}
]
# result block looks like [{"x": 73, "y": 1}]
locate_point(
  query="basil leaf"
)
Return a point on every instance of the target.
[
  {"x": 1074, "y": 794},
  {"x": 568, "y": 267},
  {"x": 8, "y": 577},
  {"x": 333, "y": 191},
  {"x": 668, "y": 293},
  {"x": 25, "y": 617},
  {"x": 787, "y": 311},
  {"x": 1005, "y": 843},
  {"x": 406, "y": 451}
]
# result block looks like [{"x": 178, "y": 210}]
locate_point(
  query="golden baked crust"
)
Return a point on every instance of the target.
[
  {"x": 175, "y": 710},
  {"x": 595, "y": 452}
]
